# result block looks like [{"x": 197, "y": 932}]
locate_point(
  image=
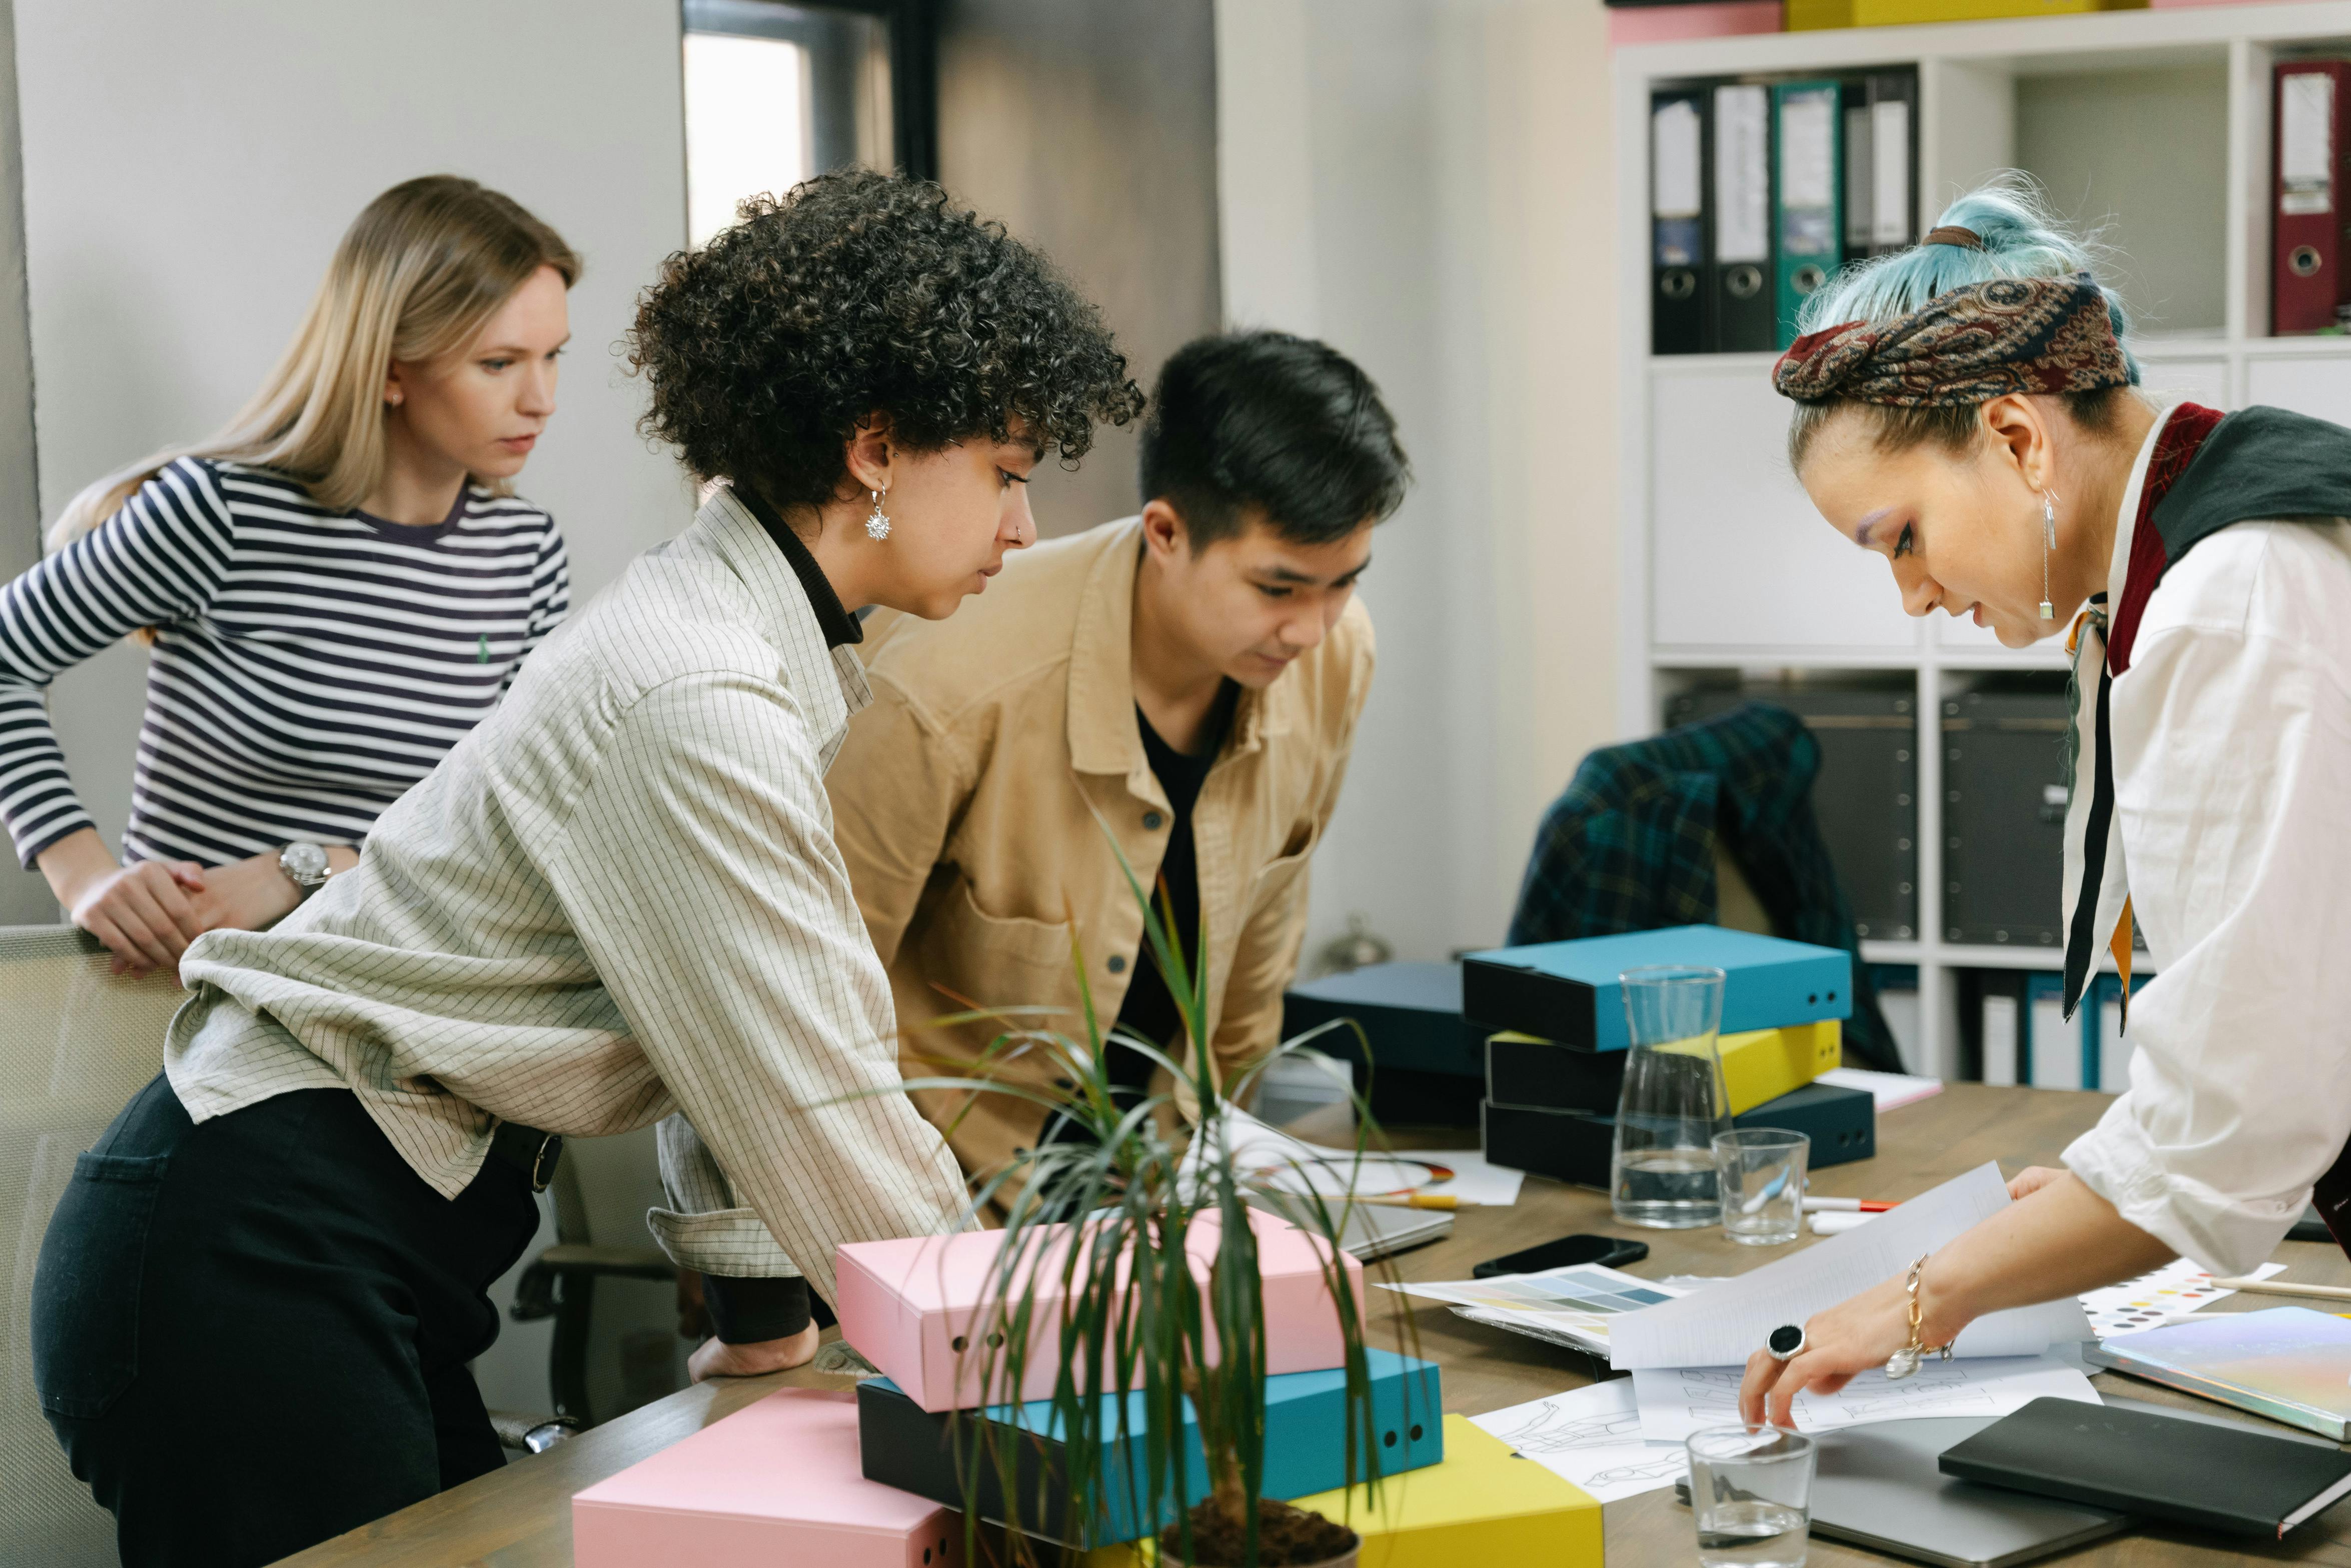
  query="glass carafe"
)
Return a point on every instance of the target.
[{"x": 1662, "y": 1171}]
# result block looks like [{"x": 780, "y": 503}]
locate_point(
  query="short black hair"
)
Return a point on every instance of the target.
[
  {"x": 1284, "y": 424},
  {"x": 860, "y": 291}
]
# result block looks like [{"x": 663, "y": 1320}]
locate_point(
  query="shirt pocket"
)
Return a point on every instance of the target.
[
  {"x": 85, "y": 1310},
  {"x": 999, "y": 961}
]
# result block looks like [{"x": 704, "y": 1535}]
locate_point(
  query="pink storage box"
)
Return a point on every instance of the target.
[
  {"x": 908, "y": 1307},
  {"x": 1673, "y": 24},
  {"x": 779, "y": 1482}
]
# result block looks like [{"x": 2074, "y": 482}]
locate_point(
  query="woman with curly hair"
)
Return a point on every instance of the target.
[{"x": 617, "y": 902}]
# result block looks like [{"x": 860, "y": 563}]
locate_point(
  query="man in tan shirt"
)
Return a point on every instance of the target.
[{"x": 1186, "y": 681}]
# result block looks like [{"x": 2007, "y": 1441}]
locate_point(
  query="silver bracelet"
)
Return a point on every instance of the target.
[{"x": 1905, "y": 1361}]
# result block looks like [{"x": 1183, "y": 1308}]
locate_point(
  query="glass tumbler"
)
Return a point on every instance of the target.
[
  {"x": 1751, "y": 1492},
  {"x": 1661, "y": 1170},
  {"x": 1760, "y": 1171}
]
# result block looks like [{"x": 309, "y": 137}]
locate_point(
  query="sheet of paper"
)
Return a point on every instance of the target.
[
  {"x": 1272, "y": 1156},
  {"x": 1723, "y": 1325},
  {"x": 1676, "y": 1402},
  {"x": 1580, "y": 1301},
  {"x": 2179, "y": 1286},
  {"x": 1591, "y": 1436},
  {"x": 1889, "y": 1090}
]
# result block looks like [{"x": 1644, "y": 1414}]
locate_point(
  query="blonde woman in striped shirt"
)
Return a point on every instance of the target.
[{"x": 336, "y": 587}]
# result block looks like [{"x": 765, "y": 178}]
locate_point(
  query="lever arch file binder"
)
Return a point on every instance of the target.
[
  {"x": 2306, "y": 288},
  {"x": 1743, "y": 305},
  {"x": 1677, "y": 297},
  {"x": 1893, "y": 160},
  {"x": 1807, "y": 224}
]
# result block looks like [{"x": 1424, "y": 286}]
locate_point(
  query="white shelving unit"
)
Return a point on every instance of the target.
[{"x": 2154, "y": 123}]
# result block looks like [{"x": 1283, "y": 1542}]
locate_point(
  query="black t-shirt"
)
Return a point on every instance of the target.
[{"x": 1149, "y": 1009}]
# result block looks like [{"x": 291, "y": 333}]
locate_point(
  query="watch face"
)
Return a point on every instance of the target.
[
  {"x": 304, "y": 862},
  {"x": 1785, "y": 1339}
]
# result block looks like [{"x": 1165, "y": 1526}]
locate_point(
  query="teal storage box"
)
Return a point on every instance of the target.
[
  {"x": 1568, "y": 991},
  {"x": 906, "y": 1447}
]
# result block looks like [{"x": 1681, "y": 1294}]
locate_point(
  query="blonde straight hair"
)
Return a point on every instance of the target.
[{"x": 415, "y": 277}]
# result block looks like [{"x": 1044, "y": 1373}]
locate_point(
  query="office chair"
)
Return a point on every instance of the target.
[
  {"x": 561, "y": 1283},
  {"x": 76, "y": 1042}
]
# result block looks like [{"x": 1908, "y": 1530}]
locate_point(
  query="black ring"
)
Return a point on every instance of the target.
[{"x": 1785, "y": 1344}]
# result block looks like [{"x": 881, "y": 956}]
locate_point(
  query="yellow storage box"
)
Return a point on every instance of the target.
[
  {"x": 1484, "y": 1505},
  {"x": 1809, "y": 15}
]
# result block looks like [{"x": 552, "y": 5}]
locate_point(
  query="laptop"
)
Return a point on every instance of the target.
[{"x": 1877, "y": 1486}]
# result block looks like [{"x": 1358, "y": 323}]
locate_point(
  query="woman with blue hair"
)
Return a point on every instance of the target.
[{"x": 1966, "y": 409}]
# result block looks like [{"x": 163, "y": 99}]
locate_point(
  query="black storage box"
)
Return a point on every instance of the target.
[
  {"x": 1523, "y": 1071},
  {"x": 1865, "y": 797},
  {"x": 2004, "y": 818},
  {"x": 1574, "y": 1145},
  {"x": 1431, "y": 1062}
]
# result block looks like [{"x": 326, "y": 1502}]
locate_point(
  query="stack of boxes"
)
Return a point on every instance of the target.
[
  {"x": 1556, "y": 1043},
  {"x": 845, "y": 1481}
]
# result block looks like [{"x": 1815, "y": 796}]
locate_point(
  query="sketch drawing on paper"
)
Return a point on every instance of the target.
[
  {"x": 1669, "y": 1464},
  {"x": 1552, "y": 1430}
]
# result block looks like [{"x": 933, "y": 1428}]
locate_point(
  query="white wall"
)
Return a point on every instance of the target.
[
  {"x": 189, "y": 165},
  {"x": 1428, "y": 185}
]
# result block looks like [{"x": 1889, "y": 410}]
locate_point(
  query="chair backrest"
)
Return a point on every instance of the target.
[{"x": 76, "y": 1042}]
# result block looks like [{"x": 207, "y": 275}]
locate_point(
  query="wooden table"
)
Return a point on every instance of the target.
[{"x": 521, "y": 1517}]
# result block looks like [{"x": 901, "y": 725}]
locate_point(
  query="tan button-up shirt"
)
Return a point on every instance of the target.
[
  {"x": 971, "y": 801},
  {"x": 617, "y": 901}
]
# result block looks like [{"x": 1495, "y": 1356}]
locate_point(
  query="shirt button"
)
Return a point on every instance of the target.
[
  {"x": 1117, "y": 965},
  {"x": 1152, "y": 820}
]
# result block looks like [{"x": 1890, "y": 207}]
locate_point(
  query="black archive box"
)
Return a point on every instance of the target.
[
  {"x": 1574, "y": 1145},
  {"x": 1523, "y": 1071},
  {"x": 1430, "y": 1060},
  {"x": 2004, "y": 817},
  {"x": 1865, "y": 797}
]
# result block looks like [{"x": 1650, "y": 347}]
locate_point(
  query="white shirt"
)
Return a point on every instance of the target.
[
  {"x": 617, "y": 900},
  {"x": 2231, "y": 740}
]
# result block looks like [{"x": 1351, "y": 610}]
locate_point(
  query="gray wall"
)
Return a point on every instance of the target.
[
  {"x": 189, "y": 165},
  {"x": 1090, "y": 127},
  {"x": 23, "y": 896}
]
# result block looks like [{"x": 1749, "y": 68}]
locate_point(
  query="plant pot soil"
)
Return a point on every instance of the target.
[{"x": 1286, "y": 1537}]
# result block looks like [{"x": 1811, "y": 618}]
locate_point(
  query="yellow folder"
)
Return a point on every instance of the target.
[
  {"x": 1761, "y": 1064},
  {"x": 1809, "y": 15},
  {"x": 1483, "y": 1505}
]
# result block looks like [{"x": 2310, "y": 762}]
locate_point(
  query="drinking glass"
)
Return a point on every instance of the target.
[
  {"x": 1661, "y": 1169},
  {"x": 1751, "y": 1491},
  {"x": 1760, "y": 1171}
]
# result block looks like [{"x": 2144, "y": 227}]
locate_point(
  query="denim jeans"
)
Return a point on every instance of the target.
[{"x": 252, "y": 1335}]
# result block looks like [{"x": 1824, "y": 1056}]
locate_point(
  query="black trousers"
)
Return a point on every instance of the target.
[{"x": 252, "y": 1335}]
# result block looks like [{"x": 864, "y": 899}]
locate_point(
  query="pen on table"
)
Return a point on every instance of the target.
[
  {"x": 2285, "y": 1287},
  {"x": 1844, "y": 1206},
  {"x": 1417, "y": 1200}
]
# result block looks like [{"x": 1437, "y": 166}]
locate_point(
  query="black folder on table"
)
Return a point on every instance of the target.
[
  {"x": 1745, "y": 311},
  {"x": 1678, "y": 298},
  {"x": 2229, "y": 1479}
]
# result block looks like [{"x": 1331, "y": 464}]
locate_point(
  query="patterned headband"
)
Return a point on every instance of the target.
[{"x": 1968, "y": 345}]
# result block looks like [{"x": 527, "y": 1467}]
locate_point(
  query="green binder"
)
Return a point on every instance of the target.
[{"x": 1808, "y": 220}]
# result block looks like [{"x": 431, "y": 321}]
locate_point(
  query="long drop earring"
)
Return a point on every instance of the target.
[
  {"x": 878, "y": 525},
  {"x": 2048, "y": 543}
]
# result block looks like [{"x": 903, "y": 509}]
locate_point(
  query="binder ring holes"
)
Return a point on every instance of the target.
[
  {"x": 1745, "y": 281},
  {"x": 1807, "y": 278},
  {"x": 2304, "y": 260},
  {"x": 1389, "y": 1441},
  {"x": 957, "y": 1344},
  {"x": 1416, "y": 1431},
  {"x": 1677, "y": 284}
]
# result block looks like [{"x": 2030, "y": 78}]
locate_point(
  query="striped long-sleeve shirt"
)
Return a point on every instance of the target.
[{"x": 309, "y": 665}]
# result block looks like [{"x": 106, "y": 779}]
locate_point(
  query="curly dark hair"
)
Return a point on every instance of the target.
[{"x": 860, "y": 291}]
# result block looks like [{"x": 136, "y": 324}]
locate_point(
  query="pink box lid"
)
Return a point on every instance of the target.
[
  {"x": 906, "y": 1306},
  {"x": 778, "y": 1481},
  {"x": 1673, "y": 24}
]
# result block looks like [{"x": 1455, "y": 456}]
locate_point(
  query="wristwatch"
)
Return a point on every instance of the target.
[{"x": 304, "y": 864}]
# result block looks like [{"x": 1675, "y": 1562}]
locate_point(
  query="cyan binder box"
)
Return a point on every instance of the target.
[
  {"x": 906, "y": 1447},
  {"x": 1568, "y": 991}
]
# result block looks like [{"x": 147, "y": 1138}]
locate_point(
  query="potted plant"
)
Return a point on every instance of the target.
[{"x": 1140, "y": 1329}]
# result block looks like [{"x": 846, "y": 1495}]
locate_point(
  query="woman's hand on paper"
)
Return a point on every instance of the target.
[
  {"x": 717, "y": 1358},
  {"x": 1851, "y": 1337}
]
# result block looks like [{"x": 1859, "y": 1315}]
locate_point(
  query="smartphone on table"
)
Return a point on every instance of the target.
[{"x": 1608, "y": 1251}]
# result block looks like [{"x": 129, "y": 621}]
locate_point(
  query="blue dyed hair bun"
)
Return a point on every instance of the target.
[{"x": 2021, "y": 239}]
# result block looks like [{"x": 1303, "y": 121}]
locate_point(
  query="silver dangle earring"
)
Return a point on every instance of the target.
[
  {"x": 2048, "y": 543},
  {"x": 878, "y": 525}
]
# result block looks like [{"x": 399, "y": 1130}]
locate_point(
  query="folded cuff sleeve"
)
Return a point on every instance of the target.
[
  {"x": 751, "y": 1311},
  {"x": 2224, "y": 1235}
]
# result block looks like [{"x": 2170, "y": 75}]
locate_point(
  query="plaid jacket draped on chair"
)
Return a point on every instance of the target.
[{"x": 1630, "y": 846}]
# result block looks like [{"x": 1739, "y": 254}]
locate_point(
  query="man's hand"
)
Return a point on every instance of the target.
[{"x": 715, "y": 1358}]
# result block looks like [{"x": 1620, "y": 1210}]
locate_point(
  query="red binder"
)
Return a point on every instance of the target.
[{"x": 2308, "y": 143}]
